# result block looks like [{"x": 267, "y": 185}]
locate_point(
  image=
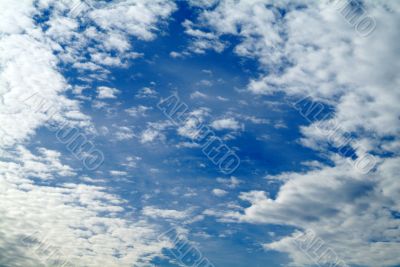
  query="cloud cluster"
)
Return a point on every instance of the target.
[
  {"x": 101, "y": 35},
  {"x": 83, "y": 223},
  {"x": 309, "y": 48}
]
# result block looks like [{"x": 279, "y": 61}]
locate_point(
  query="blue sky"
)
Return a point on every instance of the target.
[{"x": 305, "y": 97}]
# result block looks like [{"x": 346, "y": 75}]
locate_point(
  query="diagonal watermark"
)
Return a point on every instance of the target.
[
  {"x": 317, "y": 250},
  {"x": 331, "y": 129},
  {"x": 212, "y": 146},
  {"x": 183, "y": 250},
  {"x": 356, "y": 15}
]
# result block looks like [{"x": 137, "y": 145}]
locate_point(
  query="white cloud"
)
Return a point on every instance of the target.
[
  {"x": 131, "y": 162},
  {"x": 124, "y": 133},
  {"x": 103, "y": 32},
  {"x": 155, "y": 131},
  {"x": 232, "y": 182},
  {"x": 198, "y": 94},
  {"x": 208, "y": 72},
  {"x": 174, "y": 54},
  {"x": 222, "y": 98},
  {"x": 256, "y": 120},
  {"x": 219, "y": 192},
  {"x": 150, "y": 135},
  {"x": 79, "y": 222},
  {"x": 104, "y": 92},
  {"x": 226, "y": 124},
  {"x": 137, "y": 111},
  {"x": 206, "y": 83},
  {"x": 118, "y": 173},
  {"x": 31, "y": 99},
  {"x": 202, "y": 3},
  {"x": 196, "y": 117},
  {"x": 146, "y": 92},
  {"x": 280, "y": 125},
  {"x": 92, "y": 180},
  {"x": 203, "y": 40},
  {"x": 154, "y": 212},
  {"x": 328, "y": 199},
  {"x": 187, "y": 145},
  {"x": 137, "y": 18}
]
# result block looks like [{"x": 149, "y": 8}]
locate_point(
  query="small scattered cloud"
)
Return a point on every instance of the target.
[
  {"x": 221, "y": 98},
  {"x": 197, "y": 94},
  {"x": 146, "y": 92},
  {"x": 91, "y": 180},
  {"x": 219, "y": 192},
  {"x": 232, "y": 182},
  {"x": 131, "y": 162},
  {"x": 154, "y": 131},
  {"x": 256, "y": 120},
  {"x": 118, "y": 173},
  {"x": 226, "y": 124},
  {"x": 206, "y": 83},
  {"x": 137, "y": 111},
  {"x": 174, "y": 54},
  {"x": 187, "y": 145},
  {"x": 280, "y": 125},
  {"x": 104, "y": 92},
  {"x": 209, "y": 72},
  {"x": 154, "y": 212},
  {"x": 124, "y": 133},
  {"x": 150, "y": 135}
]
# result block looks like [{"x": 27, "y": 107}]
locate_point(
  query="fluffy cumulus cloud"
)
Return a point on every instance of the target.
[
  {"x": 36, "y": 37},
  {"x": 335, "y": 202},
  {"x": 314, "y": 49}
]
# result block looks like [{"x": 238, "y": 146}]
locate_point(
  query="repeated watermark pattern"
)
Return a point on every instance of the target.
[
  {"x": 316, "y": 249},
  {"x": 47, "y": 254},
  {"x": 330, "y": 128},
  {"x": 75, "y": 141},
  {"x": 212, "y": 146},
  {"x": 356, "y": 15},
  {"x": 184, "y": 251},
  {"x": 78, "y": 7}
]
